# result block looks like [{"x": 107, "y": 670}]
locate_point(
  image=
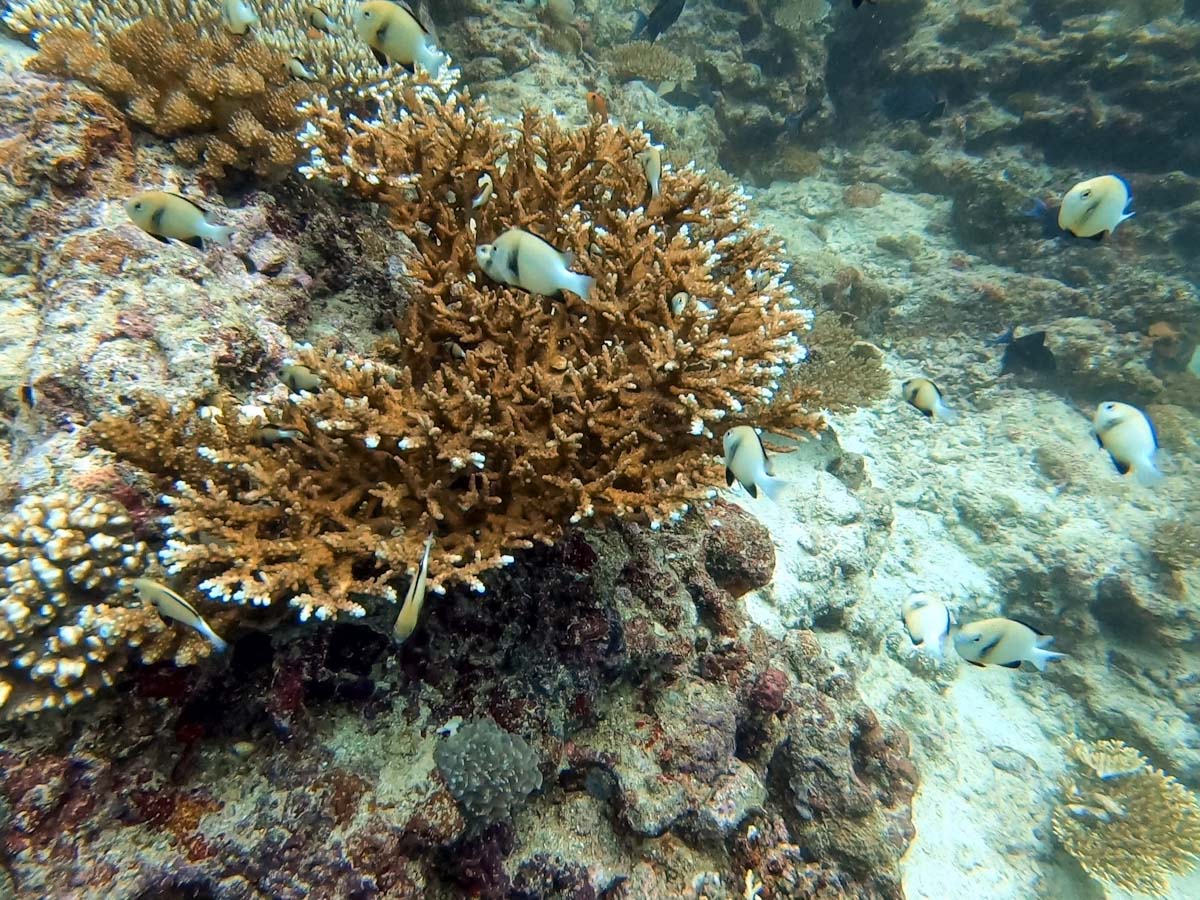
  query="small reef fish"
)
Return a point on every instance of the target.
[
  {"x": 300, "y": 378},
  {"x": 1004, "y": 642},
  {"x": 746, "y": 461},
  {"x": 1047, "y": 217},
  {"x": 171, "y": 606},
  {"x": 395, "y": 35},
  {"x": 662, "y": 17},
  {"x": 927, "y": 397},
  {"x": 238, "y": 16},
  {"x": 297, "y": 69},
  {"x": 485, "y": 191},
  {"x": 651, "y": 160},
  {"x": 524, "y": 260},
  {"x": 927, "y": 621},
  {"x": 319, "y": 20},
  {"x": 269, "y": 435},
  {"x": 1094, "y": 208},
  {"x": 1129, "y": 437},
  {"x": 597, "y": 105},
  {"x": 414, "y": 599},
  {"x": 1027, "y": 353},
  {"x": 167, "y": 217}
]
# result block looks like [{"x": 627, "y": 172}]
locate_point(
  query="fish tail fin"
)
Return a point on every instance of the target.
[
  {"x": 771, "y": 486},
  {"x": 431, "y": 59},
  {"x": 578, "y": 284},
  {"x": 220, "y": 234},
  {"x": 218, "y": 643},
  {"x": 946, "y": 413},
  {"x": 1040, "y": 657},
  {"x": 1146, "y": 473}
]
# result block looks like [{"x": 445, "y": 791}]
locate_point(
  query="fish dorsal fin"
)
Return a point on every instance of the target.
[
  {"x": 189, "y": 201},
  {"x": 422, "y": 20},
  {"x": 1030, "y": 627}
]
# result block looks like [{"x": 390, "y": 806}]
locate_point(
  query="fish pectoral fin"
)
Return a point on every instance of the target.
[
  {"x": 1015, "y": 664},
  {"x": 729, "y": 479},
  {"x": 380, "y": 58}
]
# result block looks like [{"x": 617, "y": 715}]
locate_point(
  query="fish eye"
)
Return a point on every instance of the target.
[
  {"x": 1086, "y": 194},
  {"x": 138, "y": 205}
]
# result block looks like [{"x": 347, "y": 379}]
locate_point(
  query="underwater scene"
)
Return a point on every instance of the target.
[{"x": 599, "y": 449}]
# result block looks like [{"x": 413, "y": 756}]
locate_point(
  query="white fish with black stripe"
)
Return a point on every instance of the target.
[
  {"x": 171, "y": 606},
  {"x": 1004, "y": 642}
]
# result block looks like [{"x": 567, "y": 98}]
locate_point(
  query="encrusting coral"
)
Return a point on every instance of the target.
[
  {"x": 496, "y": 417},
  {"x": 67, "y": 622},
  {"x": 1126, "y": 822},
  {"x": 652, "y": 63},
  {"x": 229, "y": 101}
]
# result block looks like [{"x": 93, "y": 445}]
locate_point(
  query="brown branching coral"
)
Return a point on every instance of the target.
[
  {"x": 847, "y": 370},
  {"x": 67, "y": 623},
  {"x": 1126, "y": 822},
  {"x": 495, "y": 417}
]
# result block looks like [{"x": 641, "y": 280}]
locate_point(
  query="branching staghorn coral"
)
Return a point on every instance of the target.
[
  {"x": 1126, "y": 822},
  {"x": 496, "y": 417},
  {"x": 67, "y": 621},
  {"x": 229, "y": 101}
]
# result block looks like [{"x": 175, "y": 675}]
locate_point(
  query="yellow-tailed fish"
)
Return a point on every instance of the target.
[
  {"x": 410, "y": 611},
  {"x": 166, "y": 217},
  {"x": 524, "y": 260},
  {"x": 171, "y": 606}
]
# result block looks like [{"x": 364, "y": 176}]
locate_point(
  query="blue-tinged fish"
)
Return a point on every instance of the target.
[
  {"x": 1004, "y": 642},
  {"x": 662, "y": 17},
  {"x": 1130, "y": 439},
  {"x": 1094, "y": 208},
  {"x": 171, "y": 606},
  {"x": 746, "y": 462}
]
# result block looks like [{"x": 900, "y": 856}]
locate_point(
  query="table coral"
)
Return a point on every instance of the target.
[
  {"x": 65, "y": 630},
  {"x": 1126, "y": 822}
]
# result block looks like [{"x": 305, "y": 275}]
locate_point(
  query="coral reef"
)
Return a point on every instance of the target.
[
  {"x": 496, "y": 417},
  {"x": 1176, "y": 544},
  {"x": 489, "y": 771},
  {"x": 67, "y": 626},
  {"x": 651, "y": 63},
  {"x": 229, "y": 103},
  {"x": 1127, "y": 823}
]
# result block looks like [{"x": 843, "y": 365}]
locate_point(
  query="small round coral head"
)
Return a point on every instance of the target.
[
  {"x": 1130, "y": 439},
  {"x": 1094, "y": 208}
]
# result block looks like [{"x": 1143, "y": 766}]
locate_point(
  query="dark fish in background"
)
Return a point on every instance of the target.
[
  {"x": 1028, "y": 354},
  {"x": 913, "y": 103},
  {"x": 1004, "y": 338},
  {"x": 1047, "y": 217},
  {"x": 858, "y": 3},
  {"x": 661, "y": 18}
]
